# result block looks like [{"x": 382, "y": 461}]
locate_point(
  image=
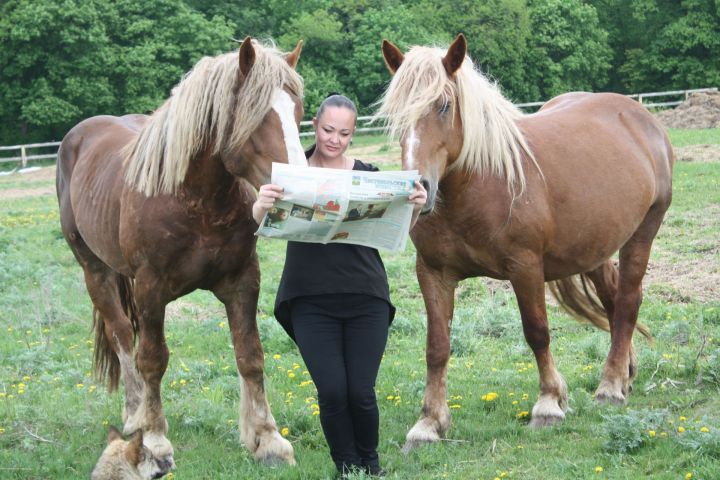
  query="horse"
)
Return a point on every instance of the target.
[
  {"x": 155, "y": 207},
  {"x": 529, "y": 198}
]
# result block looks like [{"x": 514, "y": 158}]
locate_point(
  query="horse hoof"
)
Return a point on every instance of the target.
[
  {"x": 411, "y": 445},
  {"x": 539, "y": 421},
  {"x": 606, "y": 398},
  {"x": 274, "y": 450}
]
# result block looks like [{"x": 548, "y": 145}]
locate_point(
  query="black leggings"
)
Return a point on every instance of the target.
[{"x": 341, "y": 339}]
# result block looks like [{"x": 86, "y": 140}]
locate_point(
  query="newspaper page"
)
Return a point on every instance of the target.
[{"x": 323, "y": 205}]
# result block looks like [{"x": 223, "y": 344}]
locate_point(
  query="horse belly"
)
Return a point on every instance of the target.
[
  {"x": 95, "y": 189},
  {"x": 592, "y": 223}
]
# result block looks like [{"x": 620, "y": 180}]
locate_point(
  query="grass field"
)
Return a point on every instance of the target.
[{"x": 54, "y": 417}]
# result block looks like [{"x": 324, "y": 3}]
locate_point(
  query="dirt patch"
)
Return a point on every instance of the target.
[
  {"x": 45, "y": 174},
  {"x": 698, "y": 153},
  {"x": 700, "y": 110}
]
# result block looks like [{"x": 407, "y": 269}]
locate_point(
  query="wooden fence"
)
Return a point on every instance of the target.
[{"x": 49, "y": 149}]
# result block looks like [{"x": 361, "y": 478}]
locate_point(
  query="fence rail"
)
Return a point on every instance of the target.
[{"x": 23, "y": 158}]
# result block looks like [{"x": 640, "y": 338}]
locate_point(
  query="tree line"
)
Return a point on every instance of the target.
[{"x": 65, "y": 60}]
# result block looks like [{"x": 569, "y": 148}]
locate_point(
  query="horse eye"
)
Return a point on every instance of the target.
[{"x": 444, "y": 108}]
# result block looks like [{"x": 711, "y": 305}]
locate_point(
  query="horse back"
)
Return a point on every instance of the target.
[{"x": 90, "y": 182}]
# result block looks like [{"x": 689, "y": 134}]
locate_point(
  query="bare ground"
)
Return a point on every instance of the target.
[{"x": 691, "y": 279}]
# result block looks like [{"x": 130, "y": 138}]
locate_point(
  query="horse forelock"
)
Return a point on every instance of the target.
[
  {"x": 492, "y": 142},
  {"x": 208, "y": 104}
]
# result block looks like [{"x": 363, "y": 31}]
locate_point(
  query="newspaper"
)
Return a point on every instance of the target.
[{"x": 326, "y": 205}]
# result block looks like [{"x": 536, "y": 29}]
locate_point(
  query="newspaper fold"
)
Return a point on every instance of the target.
[{"x": 323, "y": 205}]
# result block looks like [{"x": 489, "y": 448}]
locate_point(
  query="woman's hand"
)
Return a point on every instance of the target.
[
  {"x": 266, "y": 199},
  {"x": 418, "y": 198}
]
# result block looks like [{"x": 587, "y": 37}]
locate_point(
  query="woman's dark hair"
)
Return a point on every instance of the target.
[{"x": 336, "y": 100}]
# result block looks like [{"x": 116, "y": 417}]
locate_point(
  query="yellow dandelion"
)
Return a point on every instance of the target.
[
  {"x": 515, "y": 402},
  {"x": 183, "y": 381},
  {"x": 455, "y": 406},
  {"x": 285, "y": 431},
  {"x": 277, "y": 356},
  {"x": 704, "y": 429},
  {"x": 688, "y": 476},
  {"x": 170, "y": 476},
  {"x": 80, "y": 385},
  {"x": 291, "y": 374},
  {"x": 26, "y": 378},
  {"x": 2, "y": 394},
  {"x": 522, "y": 414},
  {"x": 681, "y": 429},
  {"x": 390, "y": 397},
  {"x": 683, "y": 418},
  {"x": 221, "y": 325},
  {"x": 667, "y": 356},
  {"x": 2, "y": 430},
  {"x": 315, "y": 406},
  {"x": 316, "y": 412},
  {"x": 599, "y": 469},
  {"x": 651, "y": 433},
  {"x": 525, "y": 396},
  {"x": 663, "y": 434},
  {"x": 105, "y": 423}
]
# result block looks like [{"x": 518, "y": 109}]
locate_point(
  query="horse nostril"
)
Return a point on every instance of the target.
[{"x": 425, "y": 184}]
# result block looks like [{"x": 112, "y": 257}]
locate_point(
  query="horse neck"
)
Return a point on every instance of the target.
[
  {"x": 455, "y": 185},
  {"x": 208, "y": 178}
]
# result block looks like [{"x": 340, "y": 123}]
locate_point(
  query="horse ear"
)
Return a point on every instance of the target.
[
  {"x": 293, "y": 57},
  {"x": 113, "y": 434},
  {"x": 455, "y": 55},
  {"x": 134, "y": 450},
  {"x": 393, "y": 56},
  {"x": 246, "y": 56}
]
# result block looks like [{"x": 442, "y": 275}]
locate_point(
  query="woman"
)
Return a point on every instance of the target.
[{"x": 334, "y": 302}]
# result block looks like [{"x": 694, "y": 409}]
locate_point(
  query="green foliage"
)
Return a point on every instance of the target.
[
  {"x": 569, "y": 49},
  {"x": 626, "y": 432},
  {"x": 64, "y": 61}
]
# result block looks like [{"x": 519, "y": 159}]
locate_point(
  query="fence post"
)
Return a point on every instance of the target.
[{"x": 23, "y": 157}]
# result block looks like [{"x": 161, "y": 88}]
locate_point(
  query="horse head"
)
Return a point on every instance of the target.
[
  {"x": 429, "y": 127},
  {"x": 276, "y": 137}
]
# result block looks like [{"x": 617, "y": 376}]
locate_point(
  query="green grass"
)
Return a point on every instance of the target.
[
  {"x": 683, "y": 138},
  {"x": 53, "y": 417}
]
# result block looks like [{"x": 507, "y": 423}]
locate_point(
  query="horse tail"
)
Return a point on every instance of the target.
[
  {"x": 577, "y": 296},
  {"x": 105, "y": 361}
]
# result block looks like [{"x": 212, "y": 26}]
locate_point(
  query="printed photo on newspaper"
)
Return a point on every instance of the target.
[{"x": 324, "y": 205}]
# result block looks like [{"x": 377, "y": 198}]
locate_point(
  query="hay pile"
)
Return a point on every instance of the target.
[{"x": 700, "y": 110}]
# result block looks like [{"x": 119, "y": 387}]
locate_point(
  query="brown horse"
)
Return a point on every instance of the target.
[
  {"x": 549, "y": 196},
  {"x": 156, "y": 207}
]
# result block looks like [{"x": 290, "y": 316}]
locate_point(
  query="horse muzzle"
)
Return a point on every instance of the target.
[{"x": 431, "y": 188}]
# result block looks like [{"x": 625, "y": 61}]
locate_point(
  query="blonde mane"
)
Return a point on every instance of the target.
[
  {"x": 207, "y": 104},
  {"x": 492, "y": 142}
]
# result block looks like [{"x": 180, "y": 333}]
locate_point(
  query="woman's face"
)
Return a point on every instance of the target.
[{"x": 334, "y": 130}]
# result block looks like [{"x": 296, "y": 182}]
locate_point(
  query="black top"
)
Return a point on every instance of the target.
[{"x": 321, "y": 269}]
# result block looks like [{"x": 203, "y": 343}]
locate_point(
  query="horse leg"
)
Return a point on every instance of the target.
[
  {"x": 438, "y": 295},
  {"x": 528, "y": 282},
  {"x": 114, "y": 338},
  {"x": 634, "y": 255},
  {"x": 258, "y": 429},
  {"x": 605, "y": 279},
  {"x": 152, "y": 360}
]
